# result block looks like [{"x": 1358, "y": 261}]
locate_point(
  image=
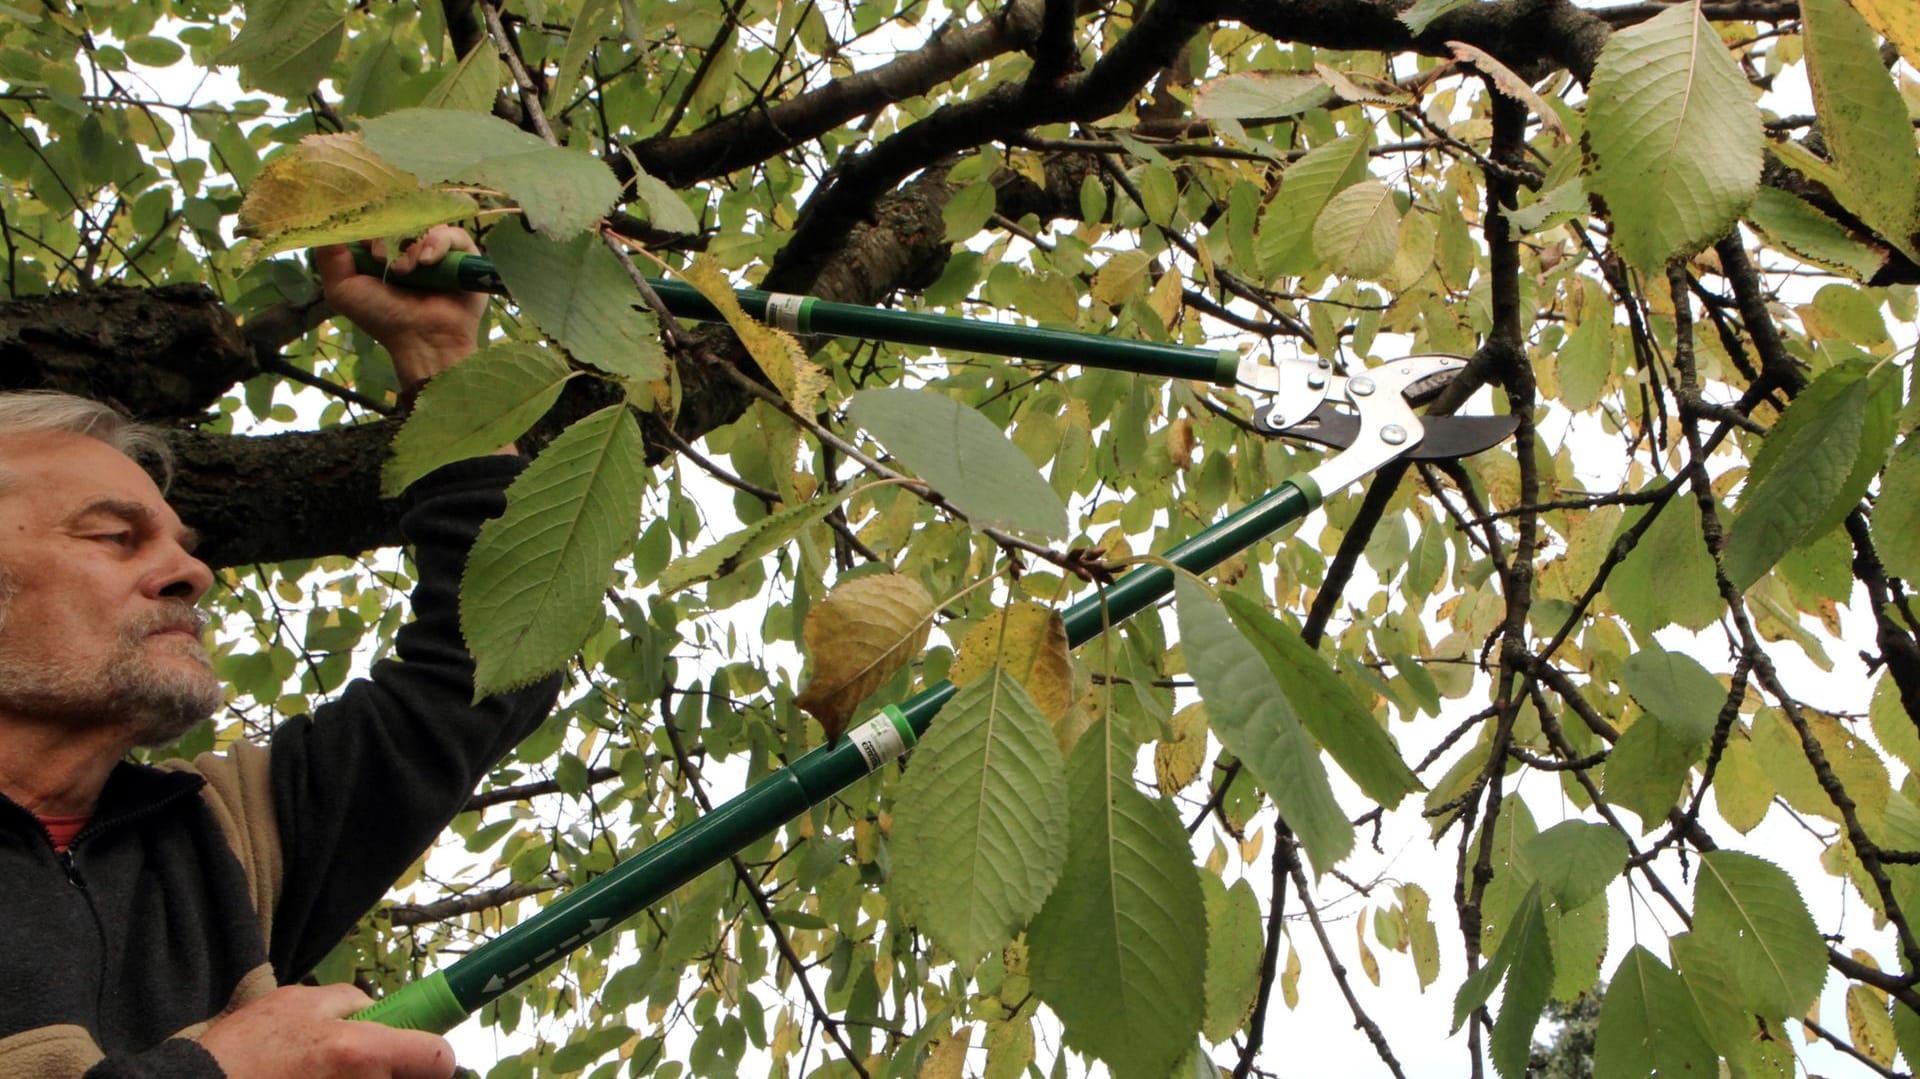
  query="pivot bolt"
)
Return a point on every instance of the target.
[
  {"x": 1361, "y": 387},
  {"x": 1393, "y": 434},
  {"x": 1316, "y": 381}
]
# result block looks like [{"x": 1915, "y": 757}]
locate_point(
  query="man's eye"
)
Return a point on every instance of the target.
[{"x": 118, "y": 539}]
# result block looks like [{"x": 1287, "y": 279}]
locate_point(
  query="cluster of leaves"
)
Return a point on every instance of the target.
[{"x": 1637, "y": 249}]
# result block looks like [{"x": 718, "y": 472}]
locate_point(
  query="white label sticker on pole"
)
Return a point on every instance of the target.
[
  {"x": 879, "y": 741},
  {"x": 783, "y": 311}
]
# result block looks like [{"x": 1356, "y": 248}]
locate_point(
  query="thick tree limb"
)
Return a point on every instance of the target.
[
  {"x": 188, "y": 350},
  {"x": 750, "y": 137}
]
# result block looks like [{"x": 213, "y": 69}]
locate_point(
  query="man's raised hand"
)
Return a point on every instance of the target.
[{"x": 426, "y": 332}]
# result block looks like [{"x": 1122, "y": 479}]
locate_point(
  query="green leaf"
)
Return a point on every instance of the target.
[
  {"x": 1235, "y": 943},
  {"x": 1119, "y": 950},
  {"x": 1585, "y": 361},
  {"x": 1358, "y": 233},
  {"x": 1796, "y": 225},
  {"x": 286, "y": 46},
  {"x": 1579, "y": 939},
  {"x": 1553, "y": 208},
  {"x": 762, "y": 537},
  {"x": 595, "y": 20},
  {"x": 1669, "y": 577},
  {"x": 1727, "y": 1022},
  {"x": 1811, "y": 470},
  {"x": 1576, "y": 860},
  {"x": 562, "y": 191},
  {"x": 1525, "y": 957},
  {"x": 1259, "y": 94},
  {"x": 664, "y": 208},
  {"x": 1892, "y": 727},
  {"x": 1511, "y": 834},
  {"x": 1423, "y": 12},
  {"x": 1677, "y": 690},
  {"x": 469, "y": 84},
  {"x": 980, "y": 825},
  {"x": 1255, "y": 721},
  {"x": 578, "y": 294},
  {"x": 1284, "y": 242},
  {"x": 1850, "y": 314},
  {"x": 154, "y": 51},
  {"x": 1649, "y": 1025},
  {"x": 1863, "y": 120},
  {"x": 1338, "y": 721},
  {"x": 534, "y": 585},
  {"x": 967, "y": 212},
  {"x": 1529, "y": 984},
  {"x": 1750, "y": 911},
  {"x": 475, "y": 407},
  {"x": 962, "y": 456},
  {"x": 1674, "y": 135},
  {"x": 1646, "y": 769},
  {"x": 1896, "y": 513}
]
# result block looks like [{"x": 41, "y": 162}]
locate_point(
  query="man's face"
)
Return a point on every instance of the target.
[{"x": 97, "y": 591}]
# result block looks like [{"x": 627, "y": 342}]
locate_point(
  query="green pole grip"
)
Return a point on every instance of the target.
[
  {"x": 462, "y": 271},
  {"x": 428, "y": 1004},
  {"x": 457, "y": 271}
]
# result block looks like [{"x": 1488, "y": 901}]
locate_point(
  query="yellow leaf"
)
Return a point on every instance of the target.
[
  {"x": 1121, "y": 278},
  {"x": 1368, "y": 964},
  {"x": 332, "y": 189},
  {"x": 778, "y": 353},
  {"x": 859, "y": 636},
  {"x": 1511, "y": 85},
  {"x": 1250, "y": 846},
  {"x": 1422, "y": 938},
  {"x": 948, "y": 1059},
  {"x": 1009, "y": 1048},
  {"x": 1290, "y": 980},
  {"x": 1742, "y": 790},
  {"x": 1176, "y": 761},
  {"x": 1030, "y": 642},
  {"x": 1870, "y": 1025},
  {"x": 1896, "y": 20},
  {"x": 1180, "y": 443},
  {"x": 1167, "y": 297}
]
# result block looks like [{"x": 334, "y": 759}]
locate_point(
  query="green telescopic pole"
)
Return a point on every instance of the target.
[
  {"x": 462, "y": 271},
  {"x": 443, "y": 999}
]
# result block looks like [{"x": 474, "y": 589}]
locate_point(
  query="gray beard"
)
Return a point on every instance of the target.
[{"x": 157, "y": 702}]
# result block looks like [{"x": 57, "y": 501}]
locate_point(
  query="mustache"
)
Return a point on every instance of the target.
[{"x": 184, "y": 618}]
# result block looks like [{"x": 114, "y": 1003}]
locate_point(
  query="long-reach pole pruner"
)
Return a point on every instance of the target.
[{"x": 1368, "y": 413}]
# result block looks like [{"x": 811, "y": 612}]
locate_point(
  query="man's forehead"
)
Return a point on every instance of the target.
[{"x": 62, "y": 474}]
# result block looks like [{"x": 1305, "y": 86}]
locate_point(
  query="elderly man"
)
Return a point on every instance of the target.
[{"x": 148, "y": 914}]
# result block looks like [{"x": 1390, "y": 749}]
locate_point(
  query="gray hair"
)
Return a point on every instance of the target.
[{"x": 38, "y": 411}]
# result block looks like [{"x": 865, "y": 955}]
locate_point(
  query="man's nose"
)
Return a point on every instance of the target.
[{"x": 182, "y": 577}]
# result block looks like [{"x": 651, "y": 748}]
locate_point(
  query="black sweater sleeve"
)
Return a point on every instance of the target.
[
  {"x": 363, "y": 786},
  {"x": 175, "y": 1058}
]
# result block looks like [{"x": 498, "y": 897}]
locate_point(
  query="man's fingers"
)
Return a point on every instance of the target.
[
  {"x": 334, "y": 262},
  {"x": 410, "y": 1054},
  {"x": 336, "y": 1001},
  {"x": 433, "y": 246}
]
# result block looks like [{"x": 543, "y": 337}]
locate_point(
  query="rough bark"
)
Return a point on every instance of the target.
[{"x": 159, "y": 354}]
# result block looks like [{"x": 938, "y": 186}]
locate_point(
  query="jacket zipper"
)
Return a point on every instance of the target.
[{"x": 70, "y": 864}]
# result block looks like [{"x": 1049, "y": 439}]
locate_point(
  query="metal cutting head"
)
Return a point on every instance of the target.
[{"x": 1369, "y": 413}]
